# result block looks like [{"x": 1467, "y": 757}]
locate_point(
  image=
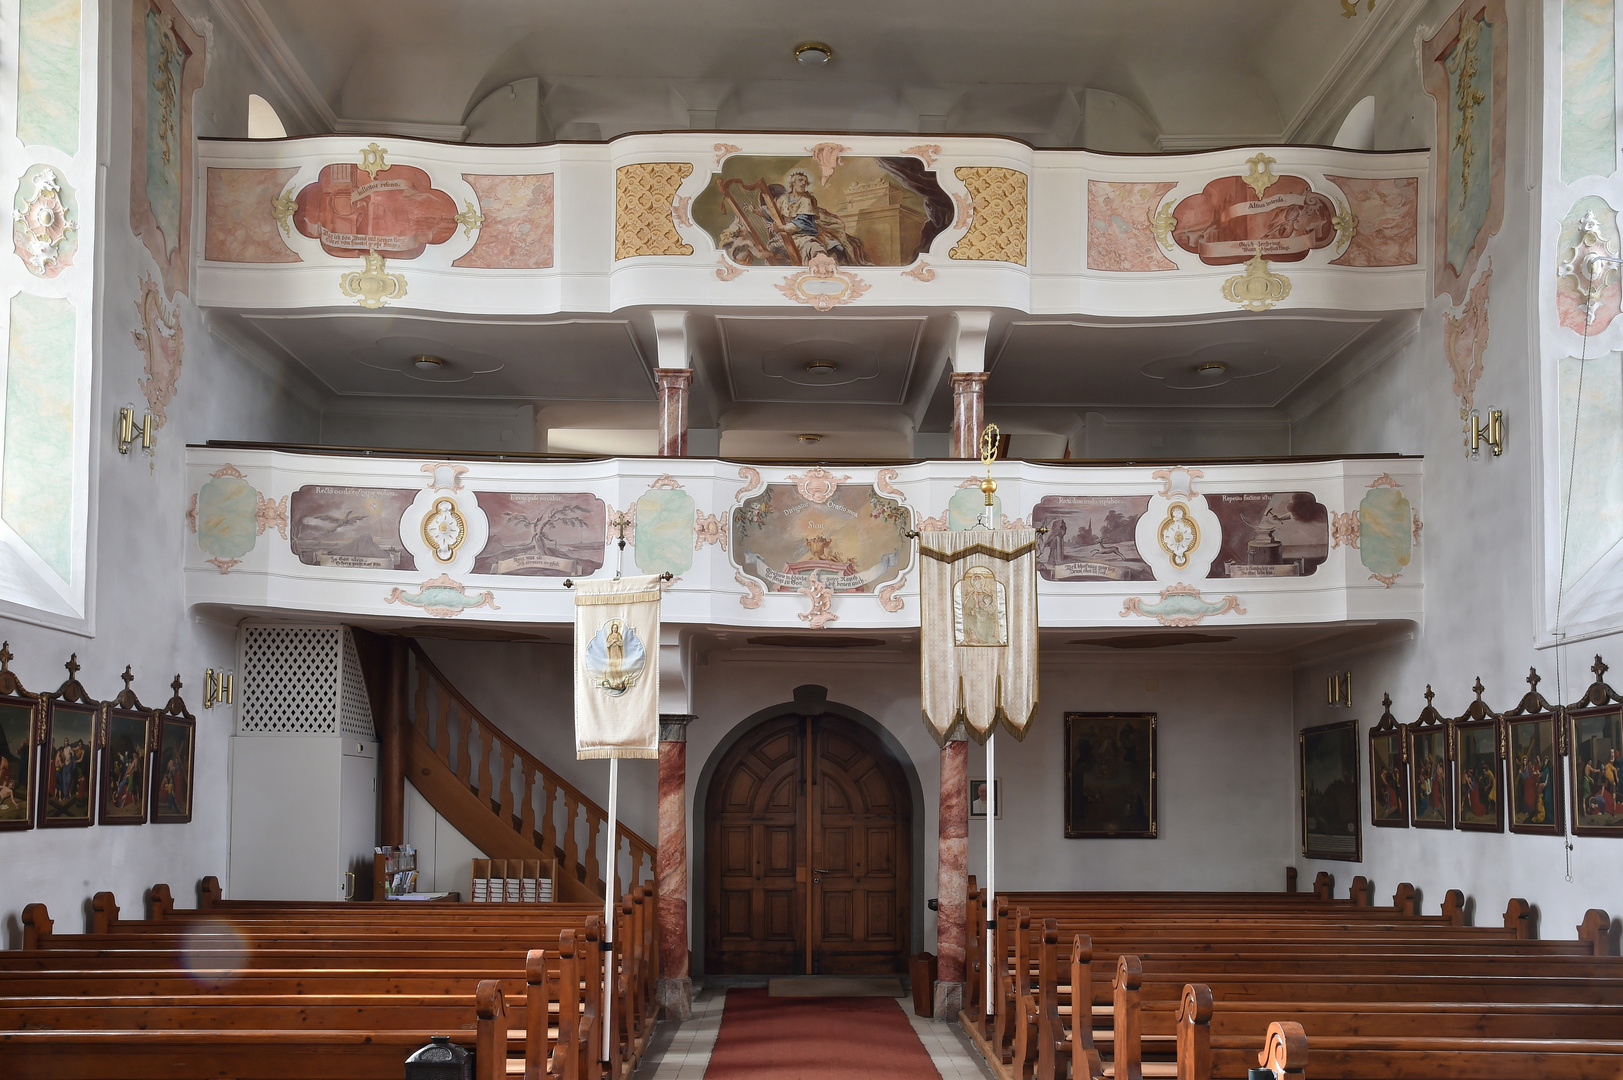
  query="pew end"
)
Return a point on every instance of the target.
[
  {"x": 1454, "y": 907},
  {"x": 1404, "y": 900},
  {"x": 1519, "y": 917},
  {"x": 1597, "y": 930},
  {"x": 160, "y": 902},
  {"x": 1290, "y": 880},
  {"x": 208, "y": 893},
  {"x": 490, "y": 1048},
  {"x": 1324, "y": 886},
  {"x": 1195, "y": 1032},
  {"x": 37, "y": 926},
  {"x": 1285, "y": 1050},
  {"x": 1359, "y": 894},
  {"x": 1128, "y": 1030},
  {"x": 103, "y": 912}
]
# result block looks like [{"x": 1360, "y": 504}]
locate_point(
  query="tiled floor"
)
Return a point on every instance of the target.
[{"x": 681, "y": 1051}]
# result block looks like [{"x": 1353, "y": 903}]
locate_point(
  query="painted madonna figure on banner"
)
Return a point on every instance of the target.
[
  {"x": 616, "y": 678},
  {"x": 979, "y": 599}
]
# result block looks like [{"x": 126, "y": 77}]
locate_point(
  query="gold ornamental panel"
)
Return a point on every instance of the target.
[
  {"x": 643, "y": 200},
  {"x": 997, "y": 228}
]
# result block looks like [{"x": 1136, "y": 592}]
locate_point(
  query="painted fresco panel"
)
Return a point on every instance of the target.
[
  {"x": 396, "y": 213},
  {"x": 1119, "y": 234},
  {"x": 1470, "y": 136},
  {"x": 542, "y": 534},
  {"x": 227, "y": 517},
  {"x": 1388, "y": 213},
  {"x": 664, "y": 538},
  {"x": 36, "y": 478},
  {"x": 865, "y": 211},
  {"x": 48, "y": 74},
  {"x": 165, "y": 63},
  {"x": 855, "y": 541},
  {"x": 1588, "y": 89},
  {"x": 1270, "y": 534},
  {"x": 240, "y": 226},
  {"x": 518, "y": 227},
  {"x": 1594, "y": 518},
  {"x": 1385, "y": 532},
  {"x": 1226, "y": 223},
  {"x": 167, "y": 69},
  {"x": 350, "y": 527},
  {"x": 1090, "y": 537},
  {"x": 966, "y": 507}
]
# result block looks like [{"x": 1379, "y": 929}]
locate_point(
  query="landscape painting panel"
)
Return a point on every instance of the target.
[
  {"x": 1479, "y": 788},
  {"x": 1110, "y": 776},
  {"x": 1428, "y": 768},
  {"x": 70, "y": 765},
  {"x": 16, "y": 764},
  {"x": 784, "y": 211},
  {"x": 350, "y": 527},
  {"x": 1389, "y": 790},
  {"x": 1270, "y": 534},
  {"x": 1090, "y": 538},
  {"x": 546, "y": 534},
  {"x": 1535, "y": 797},
  {"x": 855, "y": 541},
  {"x": 1597, "y": 761},
  {"x": 1331, "y": 822}
]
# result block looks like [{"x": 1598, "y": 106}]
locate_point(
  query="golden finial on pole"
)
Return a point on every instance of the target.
[{"x": 989, "y": 441}]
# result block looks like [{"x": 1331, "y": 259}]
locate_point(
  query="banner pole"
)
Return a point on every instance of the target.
[
  {"x": 610, "y": 866},
  {"x": 991, "y": 863}
]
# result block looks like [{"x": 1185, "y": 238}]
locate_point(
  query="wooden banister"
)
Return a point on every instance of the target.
[{"x": 456, "y": 727}]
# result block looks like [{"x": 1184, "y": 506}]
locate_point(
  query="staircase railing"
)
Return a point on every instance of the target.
[{"x": 535, "y": 801}]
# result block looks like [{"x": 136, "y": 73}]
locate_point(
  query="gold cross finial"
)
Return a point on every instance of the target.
[
  {"x": 1532, "y": 679},
  {"x": 1479, "y": 688}
]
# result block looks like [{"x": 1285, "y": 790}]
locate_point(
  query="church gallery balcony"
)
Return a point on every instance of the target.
[
  {"x": 386, "y": 536},
  {"x": 811, "y": 222}
]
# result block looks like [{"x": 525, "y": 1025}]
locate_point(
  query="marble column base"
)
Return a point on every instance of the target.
[
  {"x": 675, "y": 996},
  {"x": 949, "y": 1002}
]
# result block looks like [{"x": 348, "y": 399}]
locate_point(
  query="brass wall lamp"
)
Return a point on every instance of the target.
[
  {"x": 128, "y": 432},
  {"x": 217, "y": 688},
  {"x": 1492, "y": 433}
]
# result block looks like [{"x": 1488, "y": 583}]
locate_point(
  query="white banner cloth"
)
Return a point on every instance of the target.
[
  {"x": 978, "y": 595},
  {"x": 617, "y": 668}
]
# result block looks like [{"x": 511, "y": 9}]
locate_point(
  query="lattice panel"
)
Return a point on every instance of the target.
[
  {"x": 354, "y": 707},
  {"x": 290, "y": 680}
]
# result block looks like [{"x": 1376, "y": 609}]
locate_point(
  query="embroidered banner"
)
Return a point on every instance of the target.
[
  {"x": 617, "y": 668},
  {"x": 978, "y": 592}
]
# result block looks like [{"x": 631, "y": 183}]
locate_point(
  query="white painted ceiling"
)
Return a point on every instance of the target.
[{"x": 1202, "y": 72}]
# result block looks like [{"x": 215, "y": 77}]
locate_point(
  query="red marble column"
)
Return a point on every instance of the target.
[
  {"x": 673, "y": 410},
  {"x": 675, "y": 989},
  {"x": 968, "y": 412},
  {"x": 952, "y": 878}
]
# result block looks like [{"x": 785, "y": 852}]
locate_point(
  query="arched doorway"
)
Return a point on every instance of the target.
[{"x": 808, "y": 830}]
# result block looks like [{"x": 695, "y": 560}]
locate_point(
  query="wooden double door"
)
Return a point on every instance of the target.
[{"x": 808, "y": 823}]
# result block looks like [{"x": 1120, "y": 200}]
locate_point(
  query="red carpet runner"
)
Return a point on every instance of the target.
[{"x": 768, "y": 1038}]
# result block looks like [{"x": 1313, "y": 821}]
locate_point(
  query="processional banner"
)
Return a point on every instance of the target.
[
  {"x": 978, "y": 594},
  {"x": 617, "y": 668}
]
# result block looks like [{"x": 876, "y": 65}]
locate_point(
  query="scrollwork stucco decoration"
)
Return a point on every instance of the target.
[
  {"x": 997, "y": 225},
  {"x": 44, "y": 232},
  {"x": 754, "y": 592},
  {"x": 927, "y": 152},
  {"x": 822, "y": 606},
  {"x": 709, "y": 529},
  {"x": 1258, "y": 288},
  {"x": 372, "y": 286},
  {"x": 162, "y": 343},
  {"x": 1181, "y": 605},
  {"x": 823, "y": 284},
  {"x": 643, "y": 196},
  {"x": 828, "y": 157},
  {"x": 890, "y": 595},
  {"x": 752, "y": 480},
  {"x": 818, "y": 485}
]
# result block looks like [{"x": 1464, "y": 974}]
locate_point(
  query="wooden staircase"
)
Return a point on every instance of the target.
[{"x": 502, "y": 798}]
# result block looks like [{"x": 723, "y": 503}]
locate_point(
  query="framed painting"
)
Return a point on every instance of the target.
[
  {"x": 977, "y": 799},
  {"x": 68, "y": 769},
  {"x": 1388, "y": 772},
  {"x": 174, "y": 746},
  {"x": 1110, "y": 790},
  {"x": 126, "y": 753},
  {"x": 1478, "y": 777},
  {"x": 1535, "y": 797},
  {"x": 19, "y": 748},
  {"x": 1331, "y": 822},
  {"x": 1596, "y": 769},
  {"x": 1429, "y": 776}
]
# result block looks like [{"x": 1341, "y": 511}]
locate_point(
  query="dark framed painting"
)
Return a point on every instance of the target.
[
  {"x": 1430, "y": 803},
  {"x": 126, "y": 755},
  {"x": 1388, "y": 773},
  {"x": 1532, "y": 762},
  {"x": 19, "y": 744},
  {"x": 174, "y": 747},
  {"x": 1331, "y": 820},
  {"x": 977, "y": 799},
  {"x": 1596, "y": 752},
  {"x": 67, "y": 780},
  {"x": 1110, "y": 788},
  {"x": 1479, "y": 789}
]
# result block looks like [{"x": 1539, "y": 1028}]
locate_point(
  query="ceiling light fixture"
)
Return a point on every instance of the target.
[
  {"x": 813, "y": 53},
  {"x": 427, "y": 363},
  {"x": 821, "y": 367},
  {"x": 809, "y": 438},
  {"x": 1212, "y": 369}
]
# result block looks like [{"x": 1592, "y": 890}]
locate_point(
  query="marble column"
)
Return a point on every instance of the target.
[
  {"x": 675, "y": 989},
  {"x": 968, "y": 412},
  {"x": 952, "y": 879},
  {"x": 673, "y": 410}
]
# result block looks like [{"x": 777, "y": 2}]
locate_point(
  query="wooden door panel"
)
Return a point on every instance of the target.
[
  {"x": 735, "y": 913},
  {"x": 836, "y": 917},
  {"x": 881, "y": 915},
  {"x": 881, "y": 850},
  {"x": 736, "y": 855},
  {"x": 781, "y": 849},
  {"x": 780, "y": 915}
]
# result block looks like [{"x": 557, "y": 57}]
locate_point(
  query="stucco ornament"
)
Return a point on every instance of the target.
[
  {"x": 372, "y": 286},
  {"x": 709, "y": 529},
  {"x": 1346, "y": 223},
  {"x": 723, "y": 149},
  {"x": 752, "y": 480},
  {"x": 374, "y": 159},
  {"x": 1588, "y": 277},
  {"x": 470, "y": 218},
  {"x": 1465, "y": 339},
  {"x": 927, "y": 151},
  {"x": 1181, "y": 605},
  {"x": 726, "y": 269},
  {"x": 44, "y": 232},
  {"x": 271, "y": 514},
  {"x": 822, "y": 606},
  {"x": 643, "y": 196},
  {"x": 823, "y": 284},
  {"x": 1162, "y": 223},
  {"x": 283, "y": 207},
  {"x": 997, "y": 222},
  {"x": 1260, "y": 173},
  {"x": 1344, "y": 530},
  {"x": 890, "y": 595},
  {"x": 443, "y": 598},
  {"x": 827, "y": 156},
  {"x": 818, "y": 485},
  {"x": 1259, "y": 288},
  {"x": 162, "y": 343},
  {"x": 443, "y": 475},
  {"x": 885, "y": 485},
  {"x": 754, "y": 591},
  {"x": 921, "y": 272}
]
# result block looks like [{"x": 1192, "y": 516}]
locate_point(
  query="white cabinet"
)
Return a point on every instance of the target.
[{"x": 304, "y": 810}]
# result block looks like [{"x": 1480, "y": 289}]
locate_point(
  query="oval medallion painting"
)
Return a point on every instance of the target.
[{"x": 615, "y": 657}]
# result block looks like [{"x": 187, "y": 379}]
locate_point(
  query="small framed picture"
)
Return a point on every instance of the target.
[
  {"x": 20, "y": 718},
  {"x": 1110, "y": 776},
  {"x": 1388, "y": 773},
  {"x": 1429, "y": 773},
  {"x": 1479, "y": 803},
  {"x": 1597, "y": 771},
  {"x": 126, "y": 754},
  {"x": 1331, "y": 821},
  {"x": 67, "y": 782},
  {"x": 1534, "y": 763},
  {"x": 174, "y": 744},
  {"x": 977, "y": 798}
]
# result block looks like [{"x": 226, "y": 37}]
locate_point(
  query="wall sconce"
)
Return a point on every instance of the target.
[
  {"x": 217, "y": 688},
  {"x": 1493, "y": 433},
  {"x": 128, "y": 432},
  {"x": 1338, "y": 689}
]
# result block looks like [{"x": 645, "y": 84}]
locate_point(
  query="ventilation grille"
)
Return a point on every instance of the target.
[{"x": 301, "y": 680}]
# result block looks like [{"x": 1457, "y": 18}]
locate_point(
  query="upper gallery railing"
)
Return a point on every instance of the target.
[
  {"x": 802, "y": 546},
  {"x": 820, "y": 221}
]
